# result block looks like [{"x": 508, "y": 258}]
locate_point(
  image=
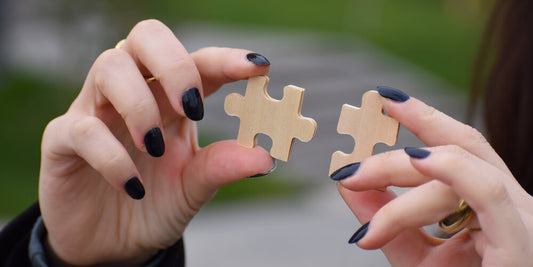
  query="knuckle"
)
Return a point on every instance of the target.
[
  {"x": 138, "y": 108},
  {"x": 148, "y": 26},
  {"x": 107, "y": 64},
  {"x": 112, "y": 58},
  {"x": 85, "y": 128},
  {"x": 496, "y": 191},
  {"x": 185, "y": 66},
  {"x": 54, "y": 124},
  {"x": 476, "y": 136},
  {"x": 429, "y": 115},
  {"x": 110, "y": 163}
]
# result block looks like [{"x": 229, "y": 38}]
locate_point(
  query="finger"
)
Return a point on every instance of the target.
[
  {"x": 435, "y": 128},
  {"x": 220, "y": 164},
  {"x": 160, "y": 55},
  {"x": 365, "y": 205},
  {"x": 219, "y": 65},
  {"x": 116, "y": 77},
  {"x": 421, "y": 206},
  {"x": 372, "y": 173},
  {"x": 90, "y": 139},
  {"x": 481, "y": 186}
]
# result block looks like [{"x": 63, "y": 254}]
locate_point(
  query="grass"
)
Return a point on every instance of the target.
[
  {"x": 439, "y": 36},
  {"x": 27, "y": 104}
]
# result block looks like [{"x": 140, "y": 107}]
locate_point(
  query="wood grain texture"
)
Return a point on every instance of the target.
[
  {"x": 279, "y": 119},
  {"x": 368, "y": 126}
]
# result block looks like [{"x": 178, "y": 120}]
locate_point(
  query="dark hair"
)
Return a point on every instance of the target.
[{"x": 503, "y": 78}]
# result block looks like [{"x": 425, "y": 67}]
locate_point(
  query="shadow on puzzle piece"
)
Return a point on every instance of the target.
[
  {"x": 368, "y": 126},
  {"x": 279, "y": 119}
]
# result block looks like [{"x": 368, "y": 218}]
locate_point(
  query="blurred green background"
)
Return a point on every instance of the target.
[{"x": 439, "y": 36}]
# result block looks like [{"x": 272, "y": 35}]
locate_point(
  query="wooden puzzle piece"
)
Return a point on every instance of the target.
[
  {"x": 279, "y": 119},
  {"x": 368, "y": 126}
]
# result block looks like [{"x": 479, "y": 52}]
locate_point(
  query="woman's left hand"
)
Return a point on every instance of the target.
[{"x": 458, "y": 164}]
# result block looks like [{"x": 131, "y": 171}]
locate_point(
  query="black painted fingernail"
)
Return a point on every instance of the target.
[
  {"x": 417, "y": 153},
  {"x": 257, "y": 59},
  {"x": 134, "y": 188},
  {"x": 393, "y": 94},
  {"x": 192, "y": 104},
  {"x": 268, "y": 172},
  {"x": 359, "y": 234},
  {"x": 153, "y": 140},
  {"x": 345, "y": 172}
]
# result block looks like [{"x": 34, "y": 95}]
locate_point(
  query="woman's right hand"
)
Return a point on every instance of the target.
[
  {"x": 457, "y": 164},
  {"x": 124, "y": 139}
]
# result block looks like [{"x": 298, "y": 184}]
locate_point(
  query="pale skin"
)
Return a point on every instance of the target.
[
  {"x": 461, "y": 165},
  {"x": 91, "y": 151}
]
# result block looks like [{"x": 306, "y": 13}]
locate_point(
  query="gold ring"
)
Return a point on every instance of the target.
[
  {"x": 120, "y": 45},
  {"x": 458, "y": 219}
]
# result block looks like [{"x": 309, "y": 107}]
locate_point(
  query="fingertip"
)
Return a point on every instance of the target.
[
  {"x": 345, "y": 172},
  {"x": 417, "y": 153},
  {"x": 359, "y": 234},
  {"x": 392, "y": 94},
  {"x": 193, "y": 105},
  {"x": 271, "y": 170},
  {"x": 134, "y": 188},
  {"x": 154, "y": 142},
  {"x": 257, "y": 59}
]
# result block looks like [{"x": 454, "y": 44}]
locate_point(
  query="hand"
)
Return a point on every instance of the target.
[
  {"x": 124, "y": 136},
  {"x": 458, "y": 164}
]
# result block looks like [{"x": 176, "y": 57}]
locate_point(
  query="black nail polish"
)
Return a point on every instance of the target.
[
  {"x": 192, "y": 104},
  {"x": 257, "y": 59},
  {"x": 417, "y": 153},
  {"x": 134, "y": 188},
  {"x": 345, "y": 172},
  {"x": 153, "y": 140},
  {"x": 268, "y": 172},
  {"x": 393, "y": 94},
  {"x": 359, "y": 234}
]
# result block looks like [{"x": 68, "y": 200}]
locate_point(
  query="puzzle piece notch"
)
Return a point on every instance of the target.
[
  {"x": 281, "y": 119},
  {"x": 368, "y": 126}
]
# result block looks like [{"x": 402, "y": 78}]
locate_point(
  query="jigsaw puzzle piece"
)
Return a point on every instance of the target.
[
  {"x": 368, "y": 126},
  {"x": 281, "y": 120}
]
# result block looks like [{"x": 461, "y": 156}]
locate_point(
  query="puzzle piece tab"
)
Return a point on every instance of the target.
[
  {"x": 279, "y": 119},
  {"x": 368, "y": 126}
]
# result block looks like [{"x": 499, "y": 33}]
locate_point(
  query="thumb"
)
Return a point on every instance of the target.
[{"x": 220, "y": 164}]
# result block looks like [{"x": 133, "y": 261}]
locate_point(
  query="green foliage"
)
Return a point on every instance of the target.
[
  {"x": 426, "y": 33},
  {"x": 27, "y": 104}
]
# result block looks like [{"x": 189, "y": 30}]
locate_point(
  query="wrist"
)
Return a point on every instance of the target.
[{"x": 44, "y": 253}]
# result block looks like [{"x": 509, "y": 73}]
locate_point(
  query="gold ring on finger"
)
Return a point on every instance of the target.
[
  {"x": 458, "y": 219},
  {"x": 120, "y": 45}
]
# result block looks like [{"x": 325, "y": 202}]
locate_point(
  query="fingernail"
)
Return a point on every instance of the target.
[
  {"x": 257, "y": 59},
  {"x": 192, "y": 104},
  {"x": 393, "y": 94},
  {"x": 417, "y": 153},
  {"x": 345, "y": 172},
  {"x": 134, "y": 188},
  {"x": 275, "y": 165},
  {"x": 359, "y": 234},
  {"x": 153, "y": 140}
]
